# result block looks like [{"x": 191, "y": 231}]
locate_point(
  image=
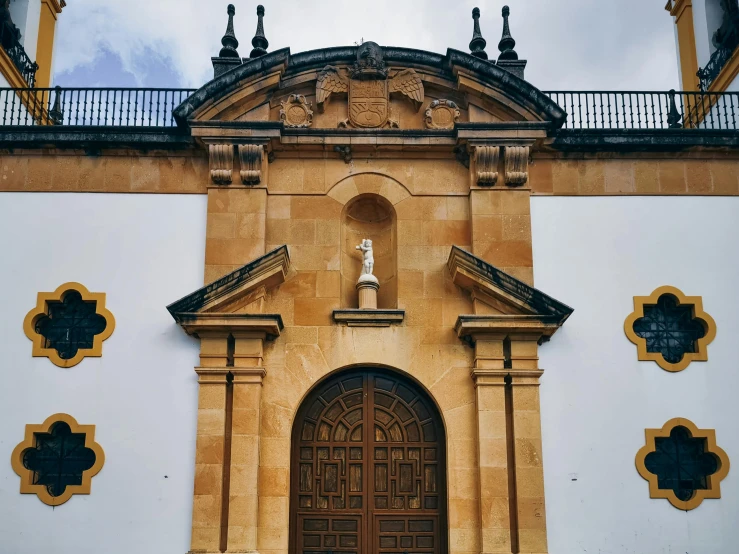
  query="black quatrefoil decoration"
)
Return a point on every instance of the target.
[
  {"x": 69, "y": 324},
  {"x": 670, "y": 328},
  {"x": 59, "y": 459},
  {"x": 682, "y": 463}
]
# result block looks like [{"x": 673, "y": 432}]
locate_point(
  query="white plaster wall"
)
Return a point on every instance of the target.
[
  {"x": 596, "y": 254},
  {"x": 143, "y": 251},
  {"x": 702, "y": 38},
  {"x": 26, "y": 15}
]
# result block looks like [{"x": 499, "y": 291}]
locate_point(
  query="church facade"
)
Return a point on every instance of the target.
[{"x": 369, "y": 300}]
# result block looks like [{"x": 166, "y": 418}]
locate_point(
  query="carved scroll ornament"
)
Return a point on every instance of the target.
[
  {"x": 250, "y": 157},
  {"x": 486, "y": 159},
  {"x": 516, "y": 165},
  {"x": 221, "y": 163}
]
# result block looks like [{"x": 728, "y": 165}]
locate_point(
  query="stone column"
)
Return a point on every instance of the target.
[
  {"x": 248, "y": 373},
  {"x": 492, "y": 439},
  {"x": 207, "y": 510},
  {"x": 529, "y": 470}
]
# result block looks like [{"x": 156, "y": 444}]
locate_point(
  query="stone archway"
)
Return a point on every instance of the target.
[{"x": 368, "y": 467}]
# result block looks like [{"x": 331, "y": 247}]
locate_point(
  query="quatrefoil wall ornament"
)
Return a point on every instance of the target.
[
  {"x": 670, "y": 328},
  {"x": 69, "y": 324},
  {"x": 682, "y": 464},
  {"x": 57, "y": 459}
]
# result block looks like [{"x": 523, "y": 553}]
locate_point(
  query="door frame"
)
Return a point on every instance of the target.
[{"x": 294, "y": 477}]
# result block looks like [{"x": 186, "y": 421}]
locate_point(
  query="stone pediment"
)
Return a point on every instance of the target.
[
  {"x": 502, "y": 304},
  {"x": 270, "y": 88},
  {"x": 236, "y": 301}
]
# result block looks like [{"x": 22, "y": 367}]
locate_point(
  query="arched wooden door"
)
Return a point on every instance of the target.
[{"x": 368, "y": 468}]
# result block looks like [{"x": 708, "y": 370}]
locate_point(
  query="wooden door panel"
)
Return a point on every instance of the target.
[
  {"x": 323, "y": 533},
  {"x": 368, "y": 468},
  {"x": 407, "y": 534}
]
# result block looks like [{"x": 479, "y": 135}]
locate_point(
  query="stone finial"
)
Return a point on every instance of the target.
[
  {"x": 477, "y": 44},
  {"x": 229, "y": 42},
  {"x": 507, "y": 44},
  {"x": 259, "y": 42}
]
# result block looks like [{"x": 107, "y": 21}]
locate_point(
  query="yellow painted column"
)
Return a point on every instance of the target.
[
  {"x": 210, "y": 448},
  {"x": 45, "y": 45},
  {"x": 488, "y": 376},
  {"x": 526, "y": 434},
  {"x": 248, "y": 373}
]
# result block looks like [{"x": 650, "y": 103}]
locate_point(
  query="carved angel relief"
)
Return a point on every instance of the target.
[{"x": 369, "y": 88}]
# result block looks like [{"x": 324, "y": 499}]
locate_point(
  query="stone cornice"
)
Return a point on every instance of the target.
[
  {"x": 512, "y": 297},
  {"x": 455, "y": 65},
  {"x": 369, "y": 318},
  {"x": 223, "y": 295},
  {"x": 267, "y": 325},
  {"x": 55, "y": 6},
  {"x": 678, "y": 7},
  {"x": 471, "y": 327}
]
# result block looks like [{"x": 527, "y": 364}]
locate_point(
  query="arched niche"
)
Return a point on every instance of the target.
[{"x": 369, "y": 216}]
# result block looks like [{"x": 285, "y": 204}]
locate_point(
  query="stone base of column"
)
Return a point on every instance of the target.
[{"x": 368, "y": 285}]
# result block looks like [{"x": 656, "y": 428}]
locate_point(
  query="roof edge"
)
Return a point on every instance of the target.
[{"x": 518, "y": 89}]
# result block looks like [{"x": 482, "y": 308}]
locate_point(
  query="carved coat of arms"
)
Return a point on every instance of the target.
[{"x": 369, "y": 88}]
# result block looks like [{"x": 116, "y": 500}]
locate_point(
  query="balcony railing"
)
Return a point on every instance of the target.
[
  {"x": 708, "y": 74},
  {"x": 91, "y": 107},
  {"x": 16, "y": 53},
  {"x": 147, "y": 107},
  {"x": 648, "y": 109},
  {"x": 726, "y": 41}
]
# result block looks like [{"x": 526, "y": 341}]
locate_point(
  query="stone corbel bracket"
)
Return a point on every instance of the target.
[
  {"x": 250, "y": 158},
  {"x": 486, "y": 161},
  {"x": 516, "y": 165},
  {"x": 221, "y": 158}
]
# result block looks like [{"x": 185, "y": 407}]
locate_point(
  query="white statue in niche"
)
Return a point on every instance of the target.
[{"x": 368, "y": 264}]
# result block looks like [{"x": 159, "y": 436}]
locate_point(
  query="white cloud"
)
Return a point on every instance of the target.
[{"x": 580, "y": 44}]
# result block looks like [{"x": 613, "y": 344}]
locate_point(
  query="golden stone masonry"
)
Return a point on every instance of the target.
[{"x": 409, "y": 419}]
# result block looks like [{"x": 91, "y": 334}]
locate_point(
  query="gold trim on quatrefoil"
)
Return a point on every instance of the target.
[
  {"x": 714, "y": 481},
  {"x": 42, "y": 308},
  {"x": 26, "y": 475},
  {"x": 701, "y": 354}
]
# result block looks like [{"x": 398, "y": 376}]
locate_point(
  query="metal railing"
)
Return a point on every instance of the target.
[
  {"x": 91, "y": 107},
  {"x": 708, "y": 74},
  {"x": 147, "y": 107},
  {"x": 725, "y": 40},
  {"x": 17, "y": 54},
  {"x": 648, "y": 109}
]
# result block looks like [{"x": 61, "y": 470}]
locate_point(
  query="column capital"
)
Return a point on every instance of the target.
[
  {"x": 251, "y": 375},
  {"x": 498, "y": 377},
  {"x": 212, "y": 375}
]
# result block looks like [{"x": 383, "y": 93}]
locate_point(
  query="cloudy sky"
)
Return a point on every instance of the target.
[{"x": 569, "y": 44}]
